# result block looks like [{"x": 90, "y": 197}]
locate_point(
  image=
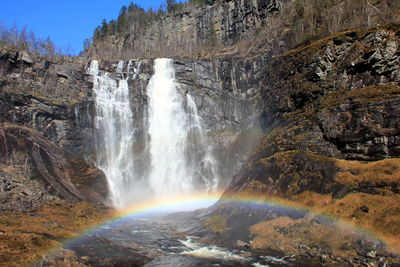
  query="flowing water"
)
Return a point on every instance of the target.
[
  {"x": 130, "y": 241},
  {"x": 180, "y": 162},
  {"x": 180, "y": 159},
  {"x": 115, "y": 132}
]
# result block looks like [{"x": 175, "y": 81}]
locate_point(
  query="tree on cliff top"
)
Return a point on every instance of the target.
[{"x": 170, "y": 5}]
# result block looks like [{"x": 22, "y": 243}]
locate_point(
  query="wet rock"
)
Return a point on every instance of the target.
[
  {"x": 99, "y": 251},
  {"x": 243, "y": 245}
]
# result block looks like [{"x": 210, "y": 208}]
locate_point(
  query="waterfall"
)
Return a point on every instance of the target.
[
  {"x": 167, "y": 132},
  {"x": 115, "y": 131},
  {"x": 199, "y": 150},
  {"x": 181, "y": 162},
  {"x": 176, "y": 159}
]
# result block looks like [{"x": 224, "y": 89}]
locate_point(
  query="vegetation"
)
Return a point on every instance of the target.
[
  {"x": 35, "y": 234},
  {"x": 131, "y": 19},
  {"x": 27, "y": 40},
  {"x": 312, "y": 19},
  {"x": 216, "y": 224},
  {"x": 296, "y": 22}
]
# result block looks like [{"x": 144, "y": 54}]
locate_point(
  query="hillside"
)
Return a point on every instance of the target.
[
  {"x": 293, "y": 103},
  {"x": 201, "y": 29}
]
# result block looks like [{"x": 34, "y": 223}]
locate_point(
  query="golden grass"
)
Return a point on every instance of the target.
[
  {"x": 289, "y": 235},
  {"x": 364, "y": 95},
  {"x": 216, "y": 224},
  {"x": 382, "y": 219},
  {"x": 384, "y": 172},
  {"x": 25, "y": 238}
]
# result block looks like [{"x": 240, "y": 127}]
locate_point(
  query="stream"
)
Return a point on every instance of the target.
[{"x": 152, "y": 240}]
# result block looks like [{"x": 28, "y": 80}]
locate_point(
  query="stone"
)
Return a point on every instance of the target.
[
  {"x": 25, "y": 57},
  {"x": 3, "y": 196},
  {"x": 241, "y": 244},
  {"x": 364, "y": 209}
]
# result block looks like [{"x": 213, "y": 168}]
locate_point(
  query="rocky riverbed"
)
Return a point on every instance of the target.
[{"x": 158, "y": 240}]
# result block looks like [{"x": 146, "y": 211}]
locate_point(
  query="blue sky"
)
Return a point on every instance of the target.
[{"x": 67, "y": 22}]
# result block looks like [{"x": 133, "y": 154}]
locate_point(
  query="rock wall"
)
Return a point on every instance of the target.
[
  {"x": 226, "y": 92},
  {"x": 191, "y": 29},
  {"x": 332, "y": 118},
  {"x": 43, "y": 129},
  {"x": 337, "y": 98}
]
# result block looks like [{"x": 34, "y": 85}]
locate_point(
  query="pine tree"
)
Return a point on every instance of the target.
[
  {"x": 104, "y": 28},
  {"x": 170, "y": 5},
  {"x": 121, "y": 21}
]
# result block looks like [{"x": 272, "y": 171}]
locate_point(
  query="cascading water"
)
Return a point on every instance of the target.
[
  {"x": 181, "y": 162},
  {"x": 114, "y": 123},
  {"x": 179, "y": 159},
  {"x": 167, "y": 130},
  {"x": 199, "y": 151}
]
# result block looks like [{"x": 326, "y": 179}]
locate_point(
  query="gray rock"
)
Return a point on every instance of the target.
[
  {"x": 3, "y": 195},
  {"x": 26, "y": 57}
]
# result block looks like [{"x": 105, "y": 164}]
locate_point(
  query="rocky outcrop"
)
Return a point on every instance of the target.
[
  {"x": 57, "y": 78},
  {"x": 193, "y": 28},
  {"x": 226, "y": 92},
  {"x": 352, "y": 107},
  {"x": 330, "y": 118},
  {"x": 328, "y": 113},
  {"x": 316, "y": 94},
  {"x": 43, "y": 129}
]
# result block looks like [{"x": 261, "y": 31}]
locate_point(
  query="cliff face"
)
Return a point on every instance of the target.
[
  {"x": 331, "y": 142},
  {"x": 336, "y": 98},
  {"x": 321, "y": 124},
  {"x": 48, "y": 115},
  {"x": 208, "y": 28},
  {"x": 187, "y": 31},
  {"x": 40, "y": 132},
  {"x": 226, "y": 93}
]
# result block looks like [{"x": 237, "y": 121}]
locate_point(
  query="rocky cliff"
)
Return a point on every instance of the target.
[
  {"x": 192, "y": 29},
  {"x": 48, "y": 114},
  {"x": 206, "y": 28},
  {"x": 41, "y": 132},
  {"x": 315, "y": 127},
  {"x": 331, "y": 146},
  {"x": 45, "y": 141}
]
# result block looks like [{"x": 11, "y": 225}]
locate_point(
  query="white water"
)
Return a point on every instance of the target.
[
  {"x": 114, "y": 124},
  {"x": 178, "y": 159},
  {"x": 199, "y": 150},
  {"x": 209, "y": 251}
]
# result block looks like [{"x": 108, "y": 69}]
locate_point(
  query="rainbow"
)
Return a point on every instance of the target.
[{"x": 202, "y": 200}]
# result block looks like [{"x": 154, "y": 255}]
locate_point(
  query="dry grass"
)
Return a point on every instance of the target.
[
  {"x": 24, "y": 238},
  {"x": 364, "y": 95},
  {"x": 317, "y": 43},
  {"x": 382, "y": 219},
  {"x": 379, "y": 173},
  {"x": 290, "y": 235},
  {"x": 216, "y": 224}
]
